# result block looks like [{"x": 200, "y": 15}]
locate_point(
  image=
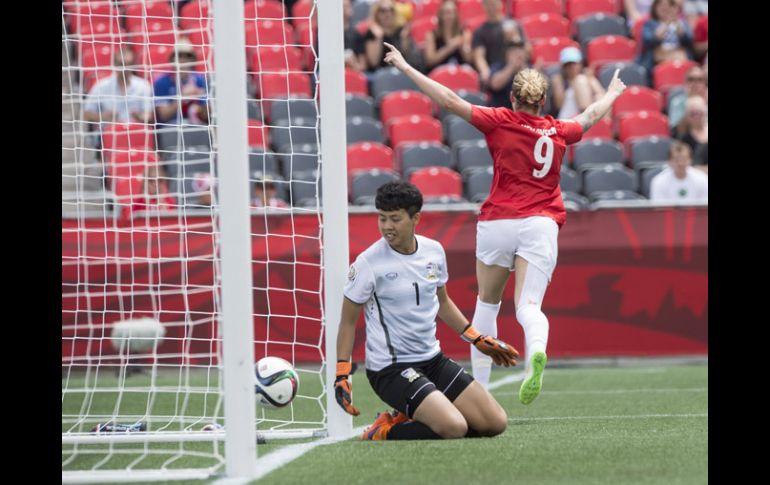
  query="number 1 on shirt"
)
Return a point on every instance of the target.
[{"x": 546, "y": 160}]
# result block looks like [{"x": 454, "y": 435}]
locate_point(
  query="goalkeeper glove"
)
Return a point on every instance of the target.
[
  {"x": 342, "y": 388},
  {"x": 501, "y": 353}
]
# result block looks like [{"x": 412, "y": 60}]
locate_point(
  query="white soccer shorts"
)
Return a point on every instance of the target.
[{"x": 533, "y": 238}]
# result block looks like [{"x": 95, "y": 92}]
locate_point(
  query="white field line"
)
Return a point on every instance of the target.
[
  {"x": 613, "y": 391},
  {"x": 619, "y": 416},
  {"x": 282, "y": 456}
]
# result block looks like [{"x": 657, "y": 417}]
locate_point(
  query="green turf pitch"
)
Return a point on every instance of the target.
[{"x": 633, "y": 425}]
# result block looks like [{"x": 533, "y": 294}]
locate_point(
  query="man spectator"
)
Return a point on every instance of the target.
[
  {"x": 123, "y": 97},
  {"x": 502, "y": 74},
  {"x": 696, "y": 84},
  {"x": 181, "y": 96},
  {"x": 490, "y": 39},
  {"x": 680, "y": 182}
]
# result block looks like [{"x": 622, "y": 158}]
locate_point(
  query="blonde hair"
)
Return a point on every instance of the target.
[{"x": 529, "y": 87}]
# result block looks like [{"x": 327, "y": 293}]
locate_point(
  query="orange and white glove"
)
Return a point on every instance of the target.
[
  {"x": 501, "y": 353},
  {"x": 343, "y": 388}
]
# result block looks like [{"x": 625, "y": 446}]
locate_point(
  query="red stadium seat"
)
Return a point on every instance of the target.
[
  {"x": 301, "y": 9},
  {"x": 456, "y": 78},
  {"x": 421, "y": 27},
  {"x": 126, "y": 136},
  {"x": 548, "y": 50},
  {"x": 136, "y": 13},
  {"x": 194, "y": 15},
  {"x": 201, "y": 39},
  {"x": 428, "y": 9},
  {"x": 637, "y": 98},
  {"x": 275, "y": 58},
  {"x": 525, "y": 8},
  {"x": 669, "y": 74},
  {"x": 636, "y": 32},
  {"x": 132, "y": 163},
  {"x": 402, "y": 103},
  {"x": 545, "y": 25},
  {"x": 468, "y": 9},
  {"x": 610, "y": 48},
  {"x": 91, "y": 13},
  {"x": 96, "y": 54},
  {"x": 155, "y": 31},
  {"x": 283, "y": 85},
  {"x": 307, "y": 41},
  {"x": 356, "y": 82},
  {"x": 602, "y": 129},
  {"x": 264, "y": 9},
  {"x": 436, "y": 182},
  {"x": 414, "y": 128},
  {"x": 581, "y": 8},
  {"x": 367, "y": 155},
  {"x": 643, "y": 123},
  {"x": 268, "y": 32},
  {"x": 154, "y": 58},
  {"x": 257, "y": 135}
]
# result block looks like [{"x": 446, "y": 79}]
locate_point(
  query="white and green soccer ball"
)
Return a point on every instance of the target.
[{"x": 276, "y": 382}]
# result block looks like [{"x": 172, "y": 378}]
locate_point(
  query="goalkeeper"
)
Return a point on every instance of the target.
[{"x": 400, "y": 281}]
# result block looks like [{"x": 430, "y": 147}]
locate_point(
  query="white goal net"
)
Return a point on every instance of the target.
[{"x": 142, "y": 372}]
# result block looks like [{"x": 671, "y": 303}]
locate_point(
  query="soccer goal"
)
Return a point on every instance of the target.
[{"x": 204, "y": 226}]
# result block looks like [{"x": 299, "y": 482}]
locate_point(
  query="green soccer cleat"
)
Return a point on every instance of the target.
[{"x": 530, "y": 388}]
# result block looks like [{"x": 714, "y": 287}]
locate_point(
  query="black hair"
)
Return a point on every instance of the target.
[{"x": 393, "y": 196}]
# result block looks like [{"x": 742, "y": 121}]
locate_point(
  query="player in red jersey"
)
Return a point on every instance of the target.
[{"x": 520, "y": 220}]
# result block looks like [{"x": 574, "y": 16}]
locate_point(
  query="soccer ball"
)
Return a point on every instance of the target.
[{"x": 277, "y": 382}]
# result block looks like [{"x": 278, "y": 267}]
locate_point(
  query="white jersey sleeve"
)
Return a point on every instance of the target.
[
  {"x": 360, "y": 284},
  {"x": 443, "y": 276}
]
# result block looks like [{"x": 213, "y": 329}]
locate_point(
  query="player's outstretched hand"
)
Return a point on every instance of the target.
[
  {"x": 343, "y": 389},
  {"x": 616, "y": 85},
  {"x": 501, "y": 353},
  {"x": 394, "y": 57}
]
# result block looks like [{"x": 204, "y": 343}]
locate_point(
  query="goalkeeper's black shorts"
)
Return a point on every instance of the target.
[{"x": 405, "y": 385}]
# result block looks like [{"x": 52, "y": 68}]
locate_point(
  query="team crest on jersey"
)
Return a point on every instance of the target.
[
  {"x": 432, "y": 271},
  {"x": 410, "y": 374},
  {"x": 391, "y": 276},
  {"x": 352, "y": 273}
]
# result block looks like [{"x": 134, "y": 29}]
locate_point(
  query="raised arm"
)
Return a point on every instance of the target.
[
  {"x": 597, "y": 110},
  {"x": 440, "y": 94}
]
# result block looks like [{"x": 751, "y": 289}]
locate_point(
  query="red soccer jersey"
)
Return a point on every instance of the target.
[{"x": 527, "y": 151}]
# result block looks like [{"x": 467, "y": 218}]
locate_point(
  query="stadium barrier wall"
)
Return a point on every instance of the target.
[{"x": 628, "y": 282}]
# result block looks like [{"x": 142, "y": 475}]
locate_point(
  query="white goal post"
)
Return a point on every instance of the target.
[{"x": 165, "y": 309}]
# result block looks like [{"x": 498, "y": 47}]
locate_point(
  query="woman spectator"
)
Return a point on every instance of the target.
[
  {"x": 384, "y": 26},
  {"x": 574, "y": 89},
  {"x": 353, "y": 41},
  {"x": 449, "y": 43},
  {"x": 665, "y": 37},
  {"x": 694, "y": 129}
]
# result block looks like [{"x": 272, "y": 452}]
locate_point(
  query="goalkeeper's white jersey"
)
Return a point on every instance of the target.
[{"x": 398, "y": 292}]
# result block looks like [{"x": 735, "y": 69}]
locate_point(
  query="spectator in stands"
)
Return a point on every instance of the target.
[
  {"x": 449, "y": 43},
  {"x": 679, "y": 181},
  {"x": 265, "y": 192},
  {"x": 665, "y": 36},
  {"x": 502, "y": 74},
  {"x": 181, "y": 97},
  {"x": 123, "y": 97},
  {"x": 490, "y": 39},
  {"x": 696, "y": 84},
  {"x": 693, "y": 129},
  {"x": 354, "y": 42},
  {"x": 636, "y": 10},
  {"x": 155, "y": 193},
  {"x": 204, "y": 184},
  {"x": 574, "y": 88},
  {"x": 701, "y": 38},
  {"x": 384, "y": 26}
]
